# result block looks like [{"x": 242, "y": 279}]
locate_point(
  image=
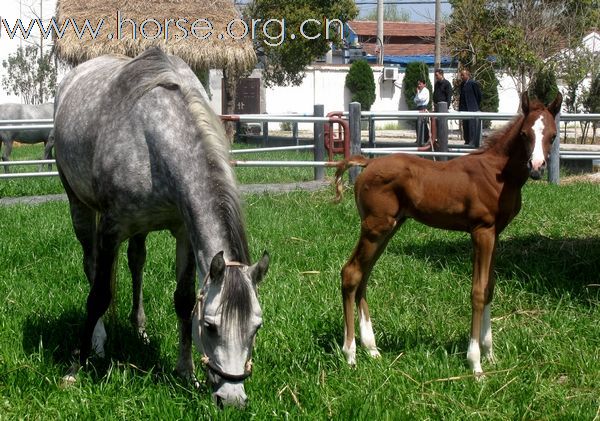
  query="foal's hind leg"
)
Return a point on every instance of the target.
[
  {"x": 185, "y": 299},
  {"x": 376, "y": 231},
  {"x": 136, "y": 258}
]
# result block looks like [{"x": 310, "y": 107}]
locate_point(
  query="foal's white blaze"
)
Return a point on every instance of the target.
[
  {"x": 367, "y": 337},
  {"x": 537, "y": 157}
]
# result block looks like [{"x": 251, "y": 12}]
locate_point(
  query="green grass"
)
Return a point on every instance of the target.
[{"x": 545, "y": 319}]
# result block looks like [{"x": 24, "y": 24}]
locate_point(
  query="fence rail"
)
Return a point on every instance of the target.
[{"x": 349, "y": 130}]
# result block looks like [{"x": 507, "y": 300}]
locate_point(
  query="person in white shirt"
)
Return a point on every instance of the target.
[{"x": 422, "y": 101}]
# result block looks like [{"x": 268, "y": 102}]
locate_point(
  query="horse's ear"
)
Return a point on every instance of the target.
[
  {"x": 259, "y": 270},
  {"x": 525, "y": 102},
  {"x": 217, "y": 267},
  {"x": 554, "y": 107}
]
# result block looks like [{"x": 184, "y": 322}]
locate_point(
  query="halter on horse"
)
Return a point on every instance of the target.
[
  {"x": 139, "y": 149},
  {"x": 479, "y": 193}
]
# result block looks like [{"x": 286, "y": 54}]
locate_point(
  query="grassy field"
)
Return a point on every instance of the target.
[
  {"x": 545, "y": 315},
  {"x": 546, "y": 318}
]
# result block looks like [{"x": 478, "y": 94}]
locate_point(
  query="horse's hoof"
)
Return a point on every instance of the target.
[
  {"x": 67, "y": 381},
  {"x": 479, "y": 375},
  {"x": 144, "y": 336}
]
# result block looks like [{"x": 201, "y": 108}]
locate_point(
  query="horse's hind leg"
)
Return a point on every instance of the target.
[
  {"x": 185, "y": 299},
  {"x": 5, "y": 156},
  {"x": 100, "y": 295},
  {"x": 84, "y": 225},
  {"x": 136, "y": 258},
  {"x": 375, "y": 234}
]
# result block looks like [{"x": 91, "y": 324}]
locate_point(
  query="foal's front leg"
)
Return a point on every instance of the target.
[{"x": 484, "y": 243}]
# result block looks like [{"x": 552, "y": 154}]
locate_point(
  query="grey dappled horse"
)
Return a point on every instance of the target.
[
  {"x": 26, "y": 112},
  {"x": 138, "y": 145}
]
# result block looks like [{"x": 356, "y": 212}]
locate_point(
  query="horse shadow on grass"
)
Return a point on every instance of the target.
[
  {"x": 536, "y": 264},
  {"x": 58, "y": 338}
]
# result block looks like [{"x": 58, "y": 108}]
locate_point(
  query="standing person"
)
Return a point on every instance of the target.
[
  {"x": 442, "y": 90},
  {"x": 470, "y": 100},
  {"x": 422, "y": 101}
]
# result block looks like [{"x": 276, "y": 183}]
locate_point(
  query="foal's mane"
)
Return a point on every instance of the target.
[
  {"x": 152, "y": 69},
  {"x": 501, "y": 138}
]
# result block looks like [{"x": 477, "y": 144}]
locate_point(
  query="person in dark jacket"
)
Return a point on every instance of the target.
[
  {"x": 442, "y": 90},
  {"x": 470, "y": 100}
]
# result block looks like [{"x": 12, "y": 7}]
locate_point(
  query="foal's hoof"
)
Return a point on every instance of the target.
[
  {"x": 374, "y": 353},
  {"x": 479, "y": 375}
]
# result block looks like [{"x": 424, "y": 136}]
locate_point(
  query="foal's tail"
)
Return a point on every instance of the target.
[{"x": 341, "y": 167}]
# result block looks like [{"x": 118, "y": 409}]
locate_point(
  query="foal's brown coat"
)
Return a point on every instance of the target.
[{"x": 479, "y": 193}]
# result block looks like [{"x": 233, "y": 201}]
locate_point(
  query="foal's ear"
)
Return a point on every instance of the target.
[
  {"x": 259, "y": 269},
  {"x": 217, "y": 267},
  {"x": 525, "y": 102},
  {"x": 554, "y": 107}
]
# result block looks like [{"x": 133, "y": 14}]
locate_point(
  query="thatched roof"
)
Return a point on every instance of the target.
[{"x": 220, "y": 52}]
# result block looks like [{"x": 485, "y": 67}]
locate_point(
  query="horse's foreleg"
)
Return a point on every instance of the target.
[
  {"x": 5, "y": 156},
  {"x": 484, "y": 241},
  {"x": 136, "y": 258},
  {"x": 185, "y": 298},
  {"x": 375, "y": 235}
]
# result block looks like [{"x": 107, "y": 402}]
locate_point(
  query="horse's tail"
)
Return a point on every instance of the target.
[{"x": 341, "y": 167}]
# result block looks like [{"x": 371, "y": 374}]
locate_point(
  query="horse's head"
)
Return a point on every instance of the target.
[
  {"x": 225, "y": 321},
  {"x": 538, "y": 132}
]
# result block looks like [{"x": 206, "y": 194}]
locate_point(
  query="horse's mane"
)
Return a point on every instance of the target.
[
  {"x": 152, "y": 69},
  {"x": 501, "y": 138}
]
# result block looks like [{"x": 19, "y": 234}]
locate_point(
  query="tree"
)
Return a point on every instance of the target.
[
  {"x": 287, "y": 47},
  {"x": 544, "y": 85},
  {"x": 391, "y": 13},
  {"x": 415, "y": 71},
  {"x": 591, "y": 101},
  {"x": 361, "y": 83},
  {"x": 30, "y": 75},
  {"x": 520, "y": 35}
]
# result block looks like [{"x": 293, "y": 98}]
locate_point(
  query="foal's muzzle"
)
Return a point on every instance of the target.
[{"x": 536, "y": 169}]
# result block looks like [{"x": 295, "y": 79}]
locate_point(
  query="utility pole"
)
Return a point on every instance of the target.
[
  {"x": 438, "y": 34},
  {"x": 379, "y": 40}
]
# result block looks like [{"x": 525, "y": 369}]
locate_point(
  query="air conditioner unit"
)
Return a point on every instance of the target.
[{"x": 390, "y": 73}]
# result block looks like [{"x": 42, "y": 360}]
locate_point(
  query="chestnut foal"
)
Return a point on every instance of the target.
[{"x": 479, "y": 193}]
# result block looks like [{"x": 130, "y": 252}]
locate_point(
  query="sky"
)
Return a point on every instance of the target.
[{"x": 421, "y": 11}]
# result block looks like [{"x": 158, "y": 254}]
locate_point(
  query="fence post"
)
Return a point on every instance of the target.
[
  {"x": 265, "y": 129},
  {"x": 319, "y": 111},
  {"x": 442, "y": 129},
  {"x": 295, "y": 133},
  {"x": 554, "y": 164},
  {"x": 371, "y": 132},
  {"x": 354, "y": 123}
]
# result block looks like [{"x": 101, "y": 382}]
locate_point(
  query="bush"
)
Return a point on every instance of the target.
[
  {"x": 415, "y": 71},
  {"x": 361, "y": 83},
  {"x": 591, "y": 100},
  {"x": 490, "y": 99},
  {"x": 544, "y": 86}
]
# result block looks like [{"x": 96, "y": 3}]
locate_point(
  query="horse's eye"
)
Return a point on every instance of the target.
[{"x": 211, "y": 327}]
